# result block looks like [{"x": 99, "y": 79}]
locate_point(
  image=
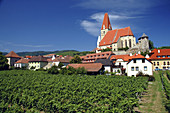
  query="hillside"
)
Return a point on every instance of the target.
[{"x": 63, "y": 52}]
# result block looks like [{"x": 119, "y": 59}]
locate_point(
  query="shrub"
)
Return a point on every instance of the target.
[{"x": 53, "y": 70}]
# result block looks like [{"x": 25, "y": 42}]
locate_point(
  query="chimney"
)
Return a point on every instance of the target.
[{"x": 159, "y": 51}]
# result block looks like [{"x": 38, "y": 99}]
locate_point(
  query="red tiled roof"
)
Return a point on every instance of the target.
[
  {"x": 124, "y": 57},
  {"x": 28, "y": 57},
  {"x": 12, "y": 54},
  {"x": 106, "y": 22},
  {"x": 94, "y": 56},
  {"x": 23, "y": 60},
  {"x": 163, "y": 52},
  {"x": 38, "y": 59},
  {"x": 90, "y": 67},
  {"x": 113, "y": 35},
  {"x": 135, "y": 56}
]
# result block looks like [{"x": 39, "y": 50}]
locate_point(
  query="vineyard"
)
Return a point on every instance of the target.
[{"x": 30, "y": 91}]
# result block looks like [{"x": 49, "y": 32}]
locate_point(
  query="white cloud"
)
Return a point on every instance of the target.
[
  {"x": 119, "y": 12},
  {"x": 93, "y": 25}
]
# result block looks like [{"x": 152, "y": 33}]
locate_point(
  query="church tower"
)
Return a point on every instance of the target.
[{"x": 106, "y": 26}]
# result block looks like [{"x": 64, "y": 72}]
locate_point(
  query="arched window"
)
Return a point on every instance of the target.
[
  {"x": 125, "y": 43},
  {"x": 122, "y": 43},
  {"x": 130, "y": 43},
  {"x": 164, "y": 63}
]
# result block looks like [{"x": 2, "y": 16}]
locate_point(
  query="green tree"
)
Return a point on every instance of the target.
[
  {"x": 107, "y": 49},
  {"x": 76, "y": 59},
  {"x": 81, "y": 70},
  {"x": 53, "y": 70},
  {"x": 151, "y": 45},
  {"x": 60, "y": 65},
  {"x": 3, "y": 62},
  {"x": 71, "y": 70}
]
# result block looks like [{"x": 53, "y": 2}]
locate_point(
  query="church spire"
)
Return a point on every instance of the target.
[{"x": 106, "y": 22}]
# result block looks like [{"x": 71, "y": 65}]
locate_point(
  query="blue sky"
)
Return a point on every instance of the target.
[{"x": 47, "y": 25}]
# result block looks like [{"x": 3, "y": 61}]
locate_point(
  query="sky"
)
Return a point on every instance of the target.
[{"x": 50, "y": 25}]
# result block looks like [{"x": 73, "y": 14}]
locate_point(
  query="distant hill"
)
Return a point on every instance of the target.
[
  {"x": 164, "y": 47},
  {"x": 63, "y": 52}
]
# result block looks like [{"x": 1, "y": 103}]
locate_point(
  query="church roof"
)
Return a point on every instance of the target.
[
  {"x": 12, "y": 54},
  {"x": 143, "y": 36},
  {"x": 114, "y": 35},
  {"x": 106, "y": 22}
]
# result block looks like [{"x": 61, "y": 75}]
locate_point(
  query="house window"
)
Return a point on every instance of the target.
[
  {"x": 164, "y": 68},
  {"x": 137, "y": 68},
  {"x": 102, "y": 54},
  {"x": 91, "y": 56},
  {"x": 157, "y": 63},
  {"x": 167, "y": 63},
  {"x": 143, "y": 60},
  {"x": 98, "y": 55},
  {"x": 163, "y": 56},
  {"x": 168, "y": 56},
  {"x": 145, "y": 68},
  {"x": 154, "y": 63},
  {"x": 125, "y": 43},
  {"x": 158, "y": 56},
  {"x": 94, "y": 55},
  {"x": 130, "y": 43},
  {"x": 134, "y": 61},
  {"x": 132, "y": 68},
  {"x": 164, "y": 63},
  {"x": 103, "y": 32},
  {"x": 87, "y": 56}
]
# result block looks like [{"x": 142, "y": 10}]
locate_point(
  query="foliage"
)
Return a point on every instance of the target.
[
  {"x": 151, "y": 45},
  {"x": 37, "y": 91},
  {"x": 107, "y": 49},
  {"x": 3, "y": 62},
  {"x": 150, "y": 78},
  {"x": 145, "y": 53},
  {"x": 60, "y": 65},
  {"x": 71, "y": 70},
  {"x": 76, "y": 59},
  {"x": 53, "y": 70},
  {"x": 32, "y": 67},
  {"x": 81, "y": 70},
  {"x": 125, "y": 49},
  {"x": 166, "y": 86},
  {"x": 164, "y": 47}
]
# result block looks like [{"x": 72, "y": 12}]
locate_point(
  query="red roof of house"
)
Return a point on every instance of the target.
[
  {"x": 12, "y": 54},
  {"x": 49, "y": 55},
  {"x": 106, "y": 22},
  {"x": 28, "y": 56},
  {"x": 94, "y": 56},
  {"x": 161, "y": 53},
  {"x": 113, "y": 35},
  {"x": 90, "y": 67},
  {"x": 23, "y": 60},
  {"x": 38, "y": 59},
  {"x": 124, "y": 57}
]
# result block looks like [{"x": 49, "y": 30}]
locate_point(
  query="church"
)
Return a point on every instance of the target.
[{"x": 116, "y": 39}]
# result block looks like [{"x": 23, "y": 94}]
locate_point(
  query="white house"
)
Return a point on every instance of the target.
[
  {"x": 23, "y": 62},
  {"x": 139, "y": 63}
]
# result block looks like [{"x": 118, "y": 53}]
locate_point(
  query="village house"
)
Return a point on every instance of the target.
[
  {"x": 139, "y": 63},
  {"x": 12, "y": 57},
  {"x": 90, "y": 58},
  {"x": 37, "y": 62},
  {"x": 107, "y": 64},
  {"x": 160, "y": 59},
  {"x": 92, "y": 68},
  {"x": 22, "y": 63}
]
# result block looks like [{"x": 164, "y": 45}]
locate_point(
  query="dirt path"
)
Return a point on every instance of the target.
[{"x": 151, "y": 101}]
